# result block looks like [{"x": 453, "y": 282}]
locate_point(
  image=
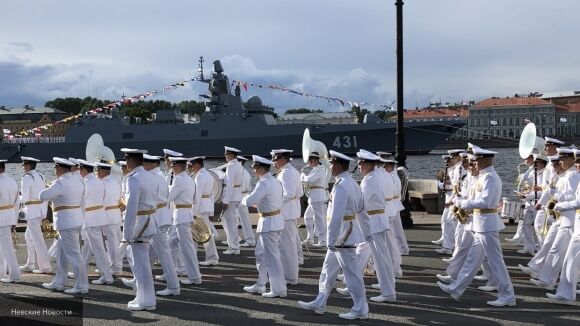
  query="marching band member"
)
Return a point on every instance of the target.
[
  {"x": 444, "y": 185},
  {"x": 67, "y": 197},
  {"x": 399, "y": 233},
  {"x": 267, "y": 197},
  {"x": 530, "y": 198},
  {"x": 162, "y": 217},
  {"x": 203, "y": 206},
  {"x": 450, "y": 223},
  {"x": 249, "y": 239},
  {"x": 94, "y": 214},
  {"x": 112, "y": 218},
  {"x": 9, "y": 204},
  {"x": 566, "y": 191},
  {"x": 317, "y": 186},
  {"x": 139, "y": 226},
  {"x": 566, "y": 292},
  {"x": 292, "y": 190},
  {"x": 181, "y": 195},
  {"x": 522, "y": 187},
  {"x": 343, "y": 235},
  {"x": 461, "y": 189},
  {"x": 31, "y": 185},
  {"x": 232, "y": 194},
  {"x": 486, "y": 227},
  {"x": 173, "y": 237}
]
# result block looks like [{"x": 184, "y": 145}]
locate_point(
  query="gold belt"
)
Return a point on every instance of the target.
[
  {"x": 108, "y": 208},
  {"x": 60, "y": 208},
  {"x": 147, "y": 212},
  {"x": 376, "y": 211},
  {"x": 344, "y": 218},
  {"x": 268, "y": 214},
  {"x": 316, "y": 187},
  {"x": 184, "y": 206},
  {"x": 6, "y": 207},
  {"x": 389, "y": 198},
  {"x": 395, "y": 197},
  {"x": 161, "y": 205},
  {"x": 237, "y": 186},
  {"x": 479, "y": 211},
  {"x": 578, "y": 211},
  {"x": 93, "y": 208},
  {"x": 205, "y": 196},
  {"x": 33, "y": 202}
]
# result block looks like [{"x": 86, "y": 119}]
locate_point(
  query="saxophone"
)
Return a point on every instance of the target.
[{"x": 460, "y": 214}]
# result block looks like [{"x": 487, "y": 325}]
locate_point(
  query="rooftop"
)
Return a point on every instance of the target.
[
  {"x": 570, "y": 108},
  {"x": 561, "y": 94},
  {"x": 511, "y": 101},
  {"x": 28, "y": 110}
]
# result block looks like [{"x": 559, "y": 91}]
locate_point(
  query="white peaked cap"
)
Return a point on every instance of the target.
[
  {"x": 29, "y": 159},
  {"x": 123, "y": 163},
  {"x": 232, "y": 149},
  {"x": 445, "y": 157},
  {"x": 553, "y": 141},
  {"x": 464, "y": 155},
  {"x": 133, "y": 151},
  {"x": 367, "y": 156},
  {"x": 86, "y": 163},
  {"x": 554, "y": 158},
  {"x": 240, "y": 157},
  {"x": 74, "y": 160},
  {"x": 471, "y": 157},
  {"x": 260, "y": 160},
  {"x": 103, "y": 165},
  {"x": 178, "y": 159},
  {"x": 455, "y": 151},
  {"x": 563, "y": 152},
  {"x": 480, "y": 152},
  {"x": 381, "y": 153},
  {"x": 169, "y": 152},
  {"x": 62, "y": 161},
  {"x": 148, "y": 157},
  {"x": 540, "y": 157},
  {"x": 339, "y": 156}
]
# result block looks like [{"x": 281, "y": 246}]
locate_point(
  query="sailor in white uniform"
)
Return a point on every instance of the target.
[
  {"x": 522, "y": 187},
  {"x": 181, "y": 194},
  {"x": 531, "y": 197},
  {"x": 139, "y": 226},
  {"x": 176, "y": 254},
  {"x": 486, "y": 227},
  {"x": 9, "y": 204},
  {"x": 31, "y": 185},
  {"x": 317, "y": 185},
  {"x": 267, "y": 198},
  {"x": 67, "y": 197},
  {"x": 343, "y": 235},
  {"x": 243, "y": 212},
  {"x": 566, "y": 292},
  {"x": 203, "y": 205},
  {"x": 397, "y": 225},
  {"x": 163, "y": 221},
  {"x": 94, "y": 213},
  {"x": 445, "y": 188},
  {"x": 112, "y": 218},
  {"x": 450, "y": 223},
  {"x": 232, "y": 194},
  {"x": 292, "y": 191},
  {"x": 565, "y": 192}
]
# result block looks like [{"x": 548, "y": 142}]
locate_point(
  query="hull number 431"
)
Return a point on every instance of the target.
[{"x": 345, "y": 142}]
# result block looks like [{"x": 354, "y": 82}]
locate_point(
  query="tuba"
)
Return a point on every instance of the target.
[
  {"x": 96, "y": 151},
  {"x": 310, "y": 145},
  {"x": 199, "y": 231},
  {"x": 48, "y": 232}
]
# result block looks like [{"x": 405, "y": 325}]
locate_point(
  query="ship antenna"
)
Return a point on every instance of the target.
[{"x": 200, "y": 70}]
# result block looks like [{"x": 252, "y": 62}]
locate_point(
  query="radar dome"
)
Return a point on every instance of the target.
[{"x": 254, "y": 103}]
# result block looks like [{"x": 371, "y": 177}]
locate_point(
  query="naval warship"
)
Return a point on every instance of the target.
[{"x": 252, "y": 128}]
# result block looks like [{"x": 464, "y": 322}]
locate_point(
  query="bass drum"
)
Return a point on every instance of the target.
[{"x": 218, "y": 184}]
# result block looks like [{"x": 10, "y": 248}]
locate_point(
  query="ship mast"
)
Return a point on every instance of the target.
[{"x": 200, "y": 71}]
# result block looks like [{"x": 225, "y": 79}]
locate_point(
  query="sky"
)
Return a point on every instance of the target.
[{"x": 454, "y": 50}]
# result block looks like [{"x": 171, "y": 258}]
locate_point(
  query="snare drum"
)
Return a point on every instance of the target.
[{"x": 512, "y": 209}]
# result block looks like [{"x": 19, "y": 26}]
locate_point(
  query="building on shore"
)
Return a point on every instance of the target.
[
  {"x": 17, "y": 120},
  {"x": 318, "y": 118}
]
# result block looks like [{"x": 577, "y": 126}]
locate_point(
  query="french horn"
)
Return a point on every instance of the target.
[
  {"x": 48, "y": 231},
  {"x": 199, "y": 231}
]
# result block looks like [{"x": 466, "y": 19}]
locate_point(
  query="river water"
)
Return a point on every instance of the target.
[{"x": 420, "y": 167}]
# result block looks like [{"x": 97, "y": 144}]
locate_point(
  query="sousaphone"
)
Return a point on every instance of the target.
[
  {"x": 530, "y": 142},
  {"x": 96, "y": 151},
  {"x": 310, "y": 145}
]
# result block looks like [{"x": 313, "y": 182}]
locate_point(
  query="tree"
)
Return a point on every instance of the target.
[{"x": 302, "y": 110}]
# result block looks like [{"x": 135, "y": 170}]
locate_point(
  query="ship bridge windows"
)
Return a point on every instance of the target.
[
  {"x": 127, "y": 135},
  {"x": 204, "y": 133}
]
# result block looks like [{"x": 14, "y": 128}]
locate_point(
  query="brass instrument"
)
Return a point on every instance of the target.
[
  {"x": 199, "y": 231},
  {"x": 460, "y": 214},
  {"x": 551, "y": 212},
  {"x": 48, "y": 232}
]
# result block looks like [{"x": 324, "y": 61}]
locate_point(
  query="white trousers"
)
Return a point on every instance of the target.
[
  {"x": 539, "y": 258},
  {"x": 160, "y": 246},
  {"x": 7, "y": 254},
  {"x": 487, "y": 245},
  {"x": 288, "y": 250},
  {"x": 529, "y": 234},
  {"x": 378, "y": 248},
  {"x": 35, "y": 244},
  {"x": 69, "y": 252},
  {"x": 395, "y": 253},
  {"x": 347, "y": 260},
  {"x": 268, "y": 261},
  {"x": 399, "y": 232},
  {"x": 230, "y": 222},
  {"x": 247, "y": 230},
  {"x": 461, "y": 251},
  {"x": 315, "y": 220},
  {"x": 113, "y": 234},
  {"x": 448, "y": 229},
  {"x": 519, "y": 230},
  {"x": 176, "y": 254},
  {"x": 210, "y": 247},
  {"x": 145, "y": 295},
  {"x": 459, "y": 234},
  {"x": 97, "y": 245},
  {"x": 189, "y": 251},
  {"x": 555, "y": 258},
  {"x": 569, "y": 274}
]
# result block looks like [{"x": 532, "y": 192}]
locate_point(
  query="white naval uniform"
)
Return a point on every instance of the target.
[
  {"x": 571, "y": 265},
  {"x": 459, "y": 175},
  {"x": 203, "y": 207},
  {"x": 292, "y": 191},
  {"x": 317, "y": 197},
  {"x": 549, "y": 178},
  {"x": 67, "y": 197},
  {"x": 163, "y": 220},
  {"x": 232, "y": 194},
  {"x": 94, "y": 213},
  {"x": 522, "y": 181},
  {"x": 139, "y": 227},
  {"x": 396, "y": 220},
  {"x": 345, "y": 201},
  {"x": 267, "y": 197},
  {"x": 450, "y": 221},
  {"x": 566, "y": 191},
  {"x": 486, "y": 227},
  {"x": 181, "y": 196},
  {"x": 375, "y": 223},
  {"x": 32, "y": 184},
  {"x": 112, "y": 222},
  {"x": 529, "y": 215},
  {"x": 391, "y": 210},
  {"x": 243, "y": 211},
  {"x": 9, "y": 204}
]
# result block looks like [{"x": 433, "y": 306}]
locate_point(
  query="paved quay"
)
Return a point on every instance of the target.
[{"x": 220, "y": 300}]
